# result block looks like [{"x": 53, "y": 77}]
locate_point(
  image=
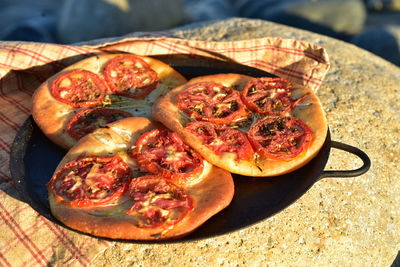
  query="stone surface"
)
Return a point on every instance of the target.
[
  {"x": 380, "y": 19},
  {"x": 339, "y": 221},
  {"x": 382, "y": 41},
  {"x": 336, "y": 18},
  {"x": 82, "y": 20},
  {"x": 387, "y": 5},
  {"x": 30, "y": 22},
  {"x": 196, "y": 11}
]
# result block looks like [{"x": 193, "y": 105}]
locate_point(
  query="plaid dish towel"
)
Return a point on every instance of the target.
[{"x": 27, "y": 238}]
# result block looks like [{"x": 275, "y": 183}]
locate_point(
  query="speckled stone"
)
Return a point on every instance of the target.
[{"x": 339, "y": 221}]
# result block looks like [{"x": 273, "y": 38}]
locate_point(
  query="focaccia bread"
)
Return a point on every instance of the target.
[
  {"x": 249, "y": 126},
  {"x": 104, "y": 187},
  {"x": 99, "y": 90}
]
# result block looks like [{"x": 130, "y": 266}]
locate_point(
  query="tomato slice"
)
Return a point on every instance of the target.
[
  {"x": 89, "y": 181},
  {"x": 86, "y": 121},
  {"x": 130, "y": 76},
  {"x": 272, "y": 96},
  {"x": 280, "y": 137},
  {"x": 158, "y": 202},
  {"x": 162, "y": 151},
  {"x": 212, "y": 102},
  {"x": 79, "y": 88},
  {"x": 221, "y": 138}
]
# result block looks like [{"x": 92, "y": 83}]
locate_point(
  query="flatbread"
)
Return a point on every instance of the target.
[
  {"x": 212, "y": 191},
  {"x": 52, "y": 116},
  {"x": 309, "y": 110}
]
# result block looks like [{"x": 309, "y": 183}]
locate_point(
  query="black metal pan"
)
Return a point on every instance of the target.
[{"x": 34, "y": 158}]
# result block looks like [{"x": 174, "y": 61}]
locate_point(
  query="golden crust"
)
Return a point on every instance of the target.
[
  {"x": 310, "y": 111},
  {"x": 116, "y": 138},
  {"x": 52, "y": 116},
  {"x": 211, "y": 192}
]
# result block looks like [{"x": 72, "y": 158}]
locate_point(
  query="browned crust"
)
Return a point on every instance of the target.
[
  {"x": 212, "y": 192},
  {"x": 116, "y": 138},
  {"x": 166, "y": 111},
  {"x": 52, "y": 116}
]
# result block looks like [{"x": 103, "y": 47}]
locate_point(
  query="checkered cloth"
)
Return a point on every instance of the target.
[{"x": 28, "y": 238}]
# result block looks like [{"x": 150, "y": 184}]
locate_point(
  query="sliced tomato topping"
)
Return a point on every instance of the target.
[
  {"x": 162, "y": 151},
  {"x": 280, "y": 137},
  {"x": 89, "y": 181},
  {"x": 86, "y": 121},
  {"x": 221, "y": 138},
  {"x": 79, "y": 88},
  {"x": 158, "y": 202},
  {"x": 212, "y": 102},
  {"x": 130, "y": 76},
  {"x": 272, "y": 96}
]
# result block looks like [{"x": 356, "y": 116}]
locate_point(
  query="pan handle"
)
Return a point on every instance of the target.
[{"x": 351, "y": 173}]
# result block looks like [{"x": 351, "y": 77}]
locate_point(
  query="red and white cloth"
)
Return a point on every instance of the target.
[{"x": 29, "y": 239}]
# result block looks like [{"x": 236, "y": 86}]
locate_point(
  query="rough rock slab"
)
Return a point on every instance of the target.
[
  {"x": 382, "y": 41},
  {"x": 116, "y": 17},
  {"x": 339, "y": 221}
]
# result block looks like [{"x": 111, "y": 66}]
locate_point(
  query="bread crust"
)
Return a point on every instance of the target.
[
  {"x": 211, "y": 192},
  {"x": 52, "y": 115},
  {"x": 310, "y": 111}
]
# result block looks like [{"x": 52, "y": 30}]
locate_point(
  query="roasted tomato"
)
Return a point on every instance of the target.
[
  {"x": 79, "y": 88},
  {"x": 212, "y": 102},
  {"x": 161, "y": 151},
  {"x": 86, "y": 121},
  {"x": 89, "y": 181},
  {"x": 130, "y": 76},
  {"x": 220, "y": 138},
  {"x": 280, "y": 137},
  {"x": 158, "y": 202},
  {"x": 271, "y": 96}
]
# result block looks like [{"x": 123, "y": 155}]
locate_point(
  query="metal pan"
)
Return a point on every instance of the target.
[{"x": 34, "y": 158}]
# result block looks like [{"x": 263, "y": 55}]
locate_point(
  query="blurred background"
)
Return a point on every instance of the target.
[{"x": 371, "y": 24}]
